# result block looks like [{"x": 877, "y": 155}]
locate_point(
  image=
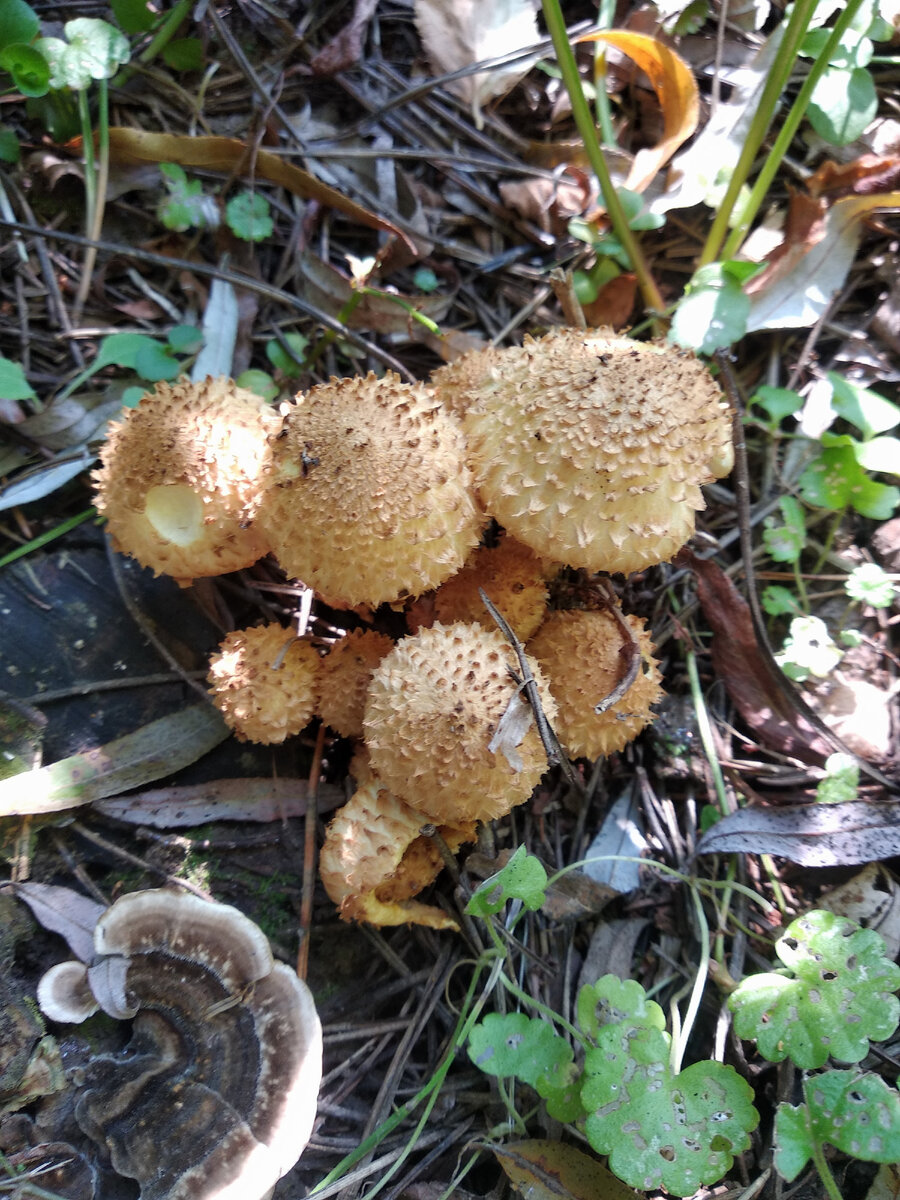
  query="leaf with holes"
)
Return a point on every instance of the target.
[
  {"x": 838, "y": 995},
  {"x": 514, "y": 1044},
  {"x": 659, "y": 1129},
  {"x": 611, "y": 1000},
  {"x": 859, "y": 1114},
  {"x": 523, "y": 878}
]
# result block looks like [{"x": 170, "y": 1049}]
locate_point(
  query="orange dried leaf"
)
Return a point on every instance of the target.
[{"x": 675, "y": 88}]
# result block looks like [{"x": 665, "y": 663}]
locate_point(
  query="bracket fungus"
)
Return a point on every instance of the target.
[
  {"x": 375, "y": 860},
  {"x": 590, "y": 447},
  {"x": 215, "y": 1095},
  {"x": 264, "y": 682},
  {"x": 369, "y": 498},
  {"x": 583, "y": 655},
  {"x": 181, "y": 476},
  {"x": 448, "y": 728}
]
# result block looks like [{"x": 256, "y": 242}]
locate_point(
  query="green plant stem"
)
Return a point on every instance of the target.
[
  {"x": 584, "y": 122},
  {"x": 96, "y": 192},
  {"x": 821, "y": 1164},
  {"x": 166, "y": 31},
  {"x": 786, "y": 134},
  {"x": 49, "y": 536},
  {"x": 679, "y": 1043},
  {"x": 606, "y": 13},
  {"x": 774, "y": 87}
]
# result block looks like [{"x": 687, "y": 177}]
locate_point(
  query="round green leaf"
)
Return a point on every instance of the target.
[
  {"x": 18, "y": 22},
  {"x": 28, "y": 67},
  {"x": 843, "y": 103},
  {"x": 514, "y": 1044},
  {"x": 248, "y": 216},
  {"x": 95, "y": 50},
  {"x": 184, "y": 54}
]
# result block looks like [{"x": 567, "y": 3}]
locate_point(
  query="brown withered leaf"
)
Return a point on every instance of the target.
[
  {"x": 546, "y": 1170},
  {"x": 813, "y": 835},
  {"x": 614, "y": 303},
  {"x": 750, "y": 675},
  {"x": 345, "y": 50},
  {"x": 864, "y": 176}
]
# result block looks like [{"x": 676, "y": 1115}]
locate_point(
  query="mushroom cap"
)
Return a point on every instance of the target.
[
  {"x": 513, "y": 577},
  {"x": 181, "y": 476},
  {"x": 265, "y": 683},
  {"x": 215, "y": 1096},
  {"x": 374, "y": 860},
  {"x": 369, "y": 498},
  {"x": 344, "y": 678},
  {"x": 64, "y": 993},
  {"x": 581, "y": 655},
  {"x": 591, "y": 448},
  {"x": 436, "y": 704}
]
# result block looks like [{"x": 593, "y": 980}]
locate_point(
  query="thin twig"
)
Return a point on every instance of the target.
[{"x": 309, "y": 854}]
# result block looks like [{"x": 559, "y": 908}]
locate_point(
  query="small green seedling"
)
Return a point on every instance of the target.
[
  {"x": 187, "y": 206},
  {"x": 869, "y": 584}
]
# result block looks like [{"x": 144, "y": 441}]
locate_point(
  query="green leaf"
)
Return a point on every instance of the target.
[
  {"x": 661, "y": 1130},
  {"x": 523, "y": 878},
  {"x": 28, "y": 67},
  {"x": 869, "y": 584},
  {"x": 248, "y": 216},
  {"x": 713, "y": 312},
  {"x": 785, "y": 542},
  {"x": 867, "y": 410},
  {"x": 425, "y": 280},
  {"x": 18, "y": 23},
  {"x": 122, "y": 349},
  {"x": 259, "y": 382},
  {"x": 13, "y": 384},
  {"x": 10, "y": 150},
  {"x": 185, "y": 339},
  {"x": 839, "y": 994},
  {"x": 843, "y": 103},
  {"x": 514, "y": 1044},
  {"x": 879, "y": 454},
  {"x": 855, "y": 1112},
  {"x": 841, "y": 783},
  {"x": 779, "y": 601},
  {"x": 186, "y": 205},
  {"x": 133, "y": 16},
  {"x": 835, "y": 480},
  {"x": 95, "y": 50},
  {"x": 611, "y": 1000},
  {"x": 184, "y": 54},
  {"x": 777, "y": 402},
  {"x": 290, "y": 365},
  {"x": 154, "y": 362}
]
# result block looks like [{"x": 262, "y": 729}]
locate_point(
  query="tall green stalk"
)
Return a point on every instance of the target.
[
  {"x": 585, "y": 124},
  {"x": 796, "y": 30}
]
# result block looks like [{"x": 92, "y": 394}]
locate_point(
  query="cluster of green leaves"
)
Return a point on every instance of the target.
[
  {"x": 187, "y": 206},
  {"x": 660, "y": 1127},
  {"x": 844, "y": 100}
]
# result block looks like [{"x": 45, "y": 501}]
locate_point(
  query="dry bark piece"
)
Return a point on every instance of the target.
[
  {"x": 435, "y": 705},
  {"x": 514, "y": 579},
  {"x": 369, "y": 498},
  {"x": 181, "y": 476},
  {"x": 345, "y": 676},
  {"x": 590, "y": 447},
  {"x": 215, "y": 1095},
  {"x": 265, "y": 683},
  {"x": 583, "y": 656},
  {"x": 374, "y": 860}
]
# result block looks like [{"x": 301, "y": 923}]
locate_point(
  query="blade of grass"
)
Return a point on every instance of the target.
[{"x": 49, "y": 536}]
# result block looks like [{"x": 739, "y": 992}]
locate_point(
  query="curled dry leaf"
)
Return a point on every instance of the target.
[
  {"x": 675, "y": 88},
  {"x": 458, "y": 33}
]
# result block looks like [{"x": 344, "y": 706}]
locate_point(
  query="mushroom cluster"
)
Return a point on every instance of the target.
[
  {"x": 214, "y": 1097},
  {"x": 586, "y": 448}
]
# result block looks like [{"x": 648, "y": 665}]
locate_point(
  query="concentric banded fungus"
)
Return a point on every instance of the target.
[
  {"x": 344, "y": 679},
  {"x": 374, "y": 860},
  {"x": 513, "y": 577},
  {"x": 447, "y": 727},
  {"x": 591, "y": 448},
  {"x": 265, "y": 683},
  {"x": 181, "y": 478},
  {"x": 581, "y": 655},
  {"x": 370, "y": 499},
  {"x": 215, "y": 1096}
]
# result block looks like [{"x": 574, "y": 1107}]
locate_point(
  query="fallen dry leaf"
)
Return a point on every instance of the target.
[
  {"x": 63, "y": 911},
  {"x": 330, "y": 290},
  {"x": 676, "y": 91},
  {"x": 234, "y": 157},
  {"x": 546, "y": 1170},
  {"x": 813, "y": 835},
  {"x": 614, "y": 304},
  {"x": 458, "y": 33},
  {"x": 221, "y": 800},
  {"x": 345, "y": 50},
  {"x": 751, "y": 677},
  {"x": 811, "y": 264},
  {"x": 864, "y": 176},
  {"x": 549, "y": 203}
]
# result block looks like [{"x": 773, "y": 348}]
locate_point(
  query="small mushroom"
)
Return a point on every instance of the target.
[
  {"x": 514, "y": 579},
  {"x": 215, "y": 1095},
  {"x": 64, "y": 993},
  {"x": 265, "y": 683},
  {"x": 583, "y": 656},
  {"x": 590, "y": 447},
  {"x": 374, "y": 860},
  {"x": 369, "y": 499},
  {"x": 344, "y": 679},
  {"x": 181, "y": 475},
  {"x": 449, "y": 730}
]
